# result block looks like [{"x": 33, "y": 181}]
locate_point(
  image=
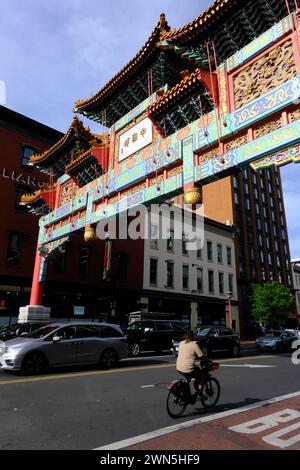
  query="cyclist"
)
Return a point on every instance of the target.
[{"x": 188, "y": 353}]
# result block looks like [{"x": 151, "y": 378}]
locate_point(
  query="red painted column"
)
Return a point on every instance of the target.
[{"x": 37, "y": 286}]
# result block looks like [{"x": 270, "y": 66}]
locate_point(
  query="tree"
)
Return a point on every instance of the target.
[{"x": 271, "y": 303}]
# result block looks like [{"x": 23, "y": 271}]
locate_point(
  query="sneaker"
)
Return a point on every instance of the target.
[{"x": 202, "y": 395}]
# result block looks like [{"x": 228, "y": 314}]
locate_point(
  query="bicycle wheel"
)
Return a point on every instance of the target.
[
  {"x": 176, "y": 401},
  {"x": 212, "y": 390}
]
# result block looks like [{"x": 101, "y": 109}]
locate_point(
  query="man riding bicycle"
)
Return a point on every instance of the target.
[{"x": 188, "y": 353}]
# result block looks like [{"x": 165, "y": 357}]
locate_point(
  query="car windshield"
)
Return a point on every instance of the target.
[
  {"x": 202, "y": 332},
  {"x": 41, "y": 332},
  {"x": 274, "y": 334}
]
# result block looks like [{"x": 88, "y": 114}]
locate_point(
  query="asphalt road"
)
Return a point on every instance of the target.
[{"x": 88, "y": 408}]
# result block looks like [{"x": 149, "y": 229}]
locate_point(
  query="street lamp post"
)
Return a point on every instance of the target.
[{"x": 229, "y": 294}]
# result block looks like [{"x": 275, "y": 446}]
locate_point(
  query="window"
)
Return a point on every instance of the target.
[
  {"x": 229, "y": 256},
  {"x": 184, "y": 244},
  {"x": 270, "y": 259},
  {"x": 122, "y": 266},
  {"x": 67, "y": 333},
  {"x": 170, "y": 274},
  {"x": 153, "y": 271},
  {"x": 247, "y": 204},
  {"x": 199, "y": 254},
  {"x": 221, "y": 283},
  {"x": 230, "y": 282},
  {"x": 27, "y": 154},
  {"x": 84, "y": 259},
  {"x": 236, "y": 182},
  {"x": 163, "y": 326},
  {"x": 14, "y": 249},
  {"x": 154, "y": 237},
  {"x": 220, "y": 254},
  {"x": 170, "y": 241},
  {"x": 185, "y": 276},
  {"x": 262, "y": 257},
  {"x": 237, "y": 199},
  {"x": 211, "y": 286},
  {"x": 109, "y": 332},
  {"x": 200, "y": 279},
  {"x": 87, "y": 331},
  {"x": 209, "y": 251}
]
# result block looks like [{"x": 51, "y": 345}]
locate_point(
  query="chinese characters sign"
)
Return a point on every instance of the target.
[{"x": 135, "y": 139}]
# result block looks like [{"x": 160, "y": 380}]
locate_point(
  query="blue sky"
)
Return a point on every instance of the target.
[{"x": 53, "y": 52}]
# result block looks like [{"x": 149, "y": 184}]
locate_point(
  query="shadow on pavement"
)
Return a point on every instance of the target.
[{"x": 200, "y": 411}]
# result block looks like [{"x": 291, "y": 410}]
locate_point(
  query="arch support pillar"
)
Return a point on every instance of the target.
[{"x": 35, "y": 312}]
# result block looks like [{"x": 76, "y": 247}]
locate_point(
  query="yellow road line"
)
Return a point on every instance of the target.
[{"x": 112, "y": 371}]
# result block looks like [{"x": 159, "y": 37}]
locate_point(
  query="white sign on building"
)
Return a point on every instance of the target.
[{"x": 136, "y": 138}]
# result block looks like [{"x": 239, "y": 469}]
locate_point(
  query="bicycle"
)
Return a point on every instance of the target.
[{"x": 180, "y": 395}]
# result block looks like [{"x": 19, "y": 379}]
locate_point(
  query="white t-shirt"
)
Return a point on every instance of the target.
[{"x": 187, "y": 356}]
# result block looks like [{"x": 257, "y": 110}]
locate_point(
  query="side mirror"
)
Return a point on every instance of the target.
[{"x": 56, "y": 339}]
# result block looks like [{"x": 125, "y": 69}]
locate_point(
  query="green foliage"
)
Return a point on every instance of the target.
[{"x": 271, "y": 303}]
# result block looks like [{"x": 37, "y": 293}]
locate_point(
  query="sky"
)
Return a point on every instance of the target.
[{"x": 53, "y": 52}]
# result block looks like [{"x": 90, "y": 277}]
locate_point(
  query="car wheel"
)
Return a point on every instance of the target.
[
  {"x": 135, "y": 350},
  {"x": 108, "y": 359},
  {"x": 235, "y": 351},
  {"x": 34, "y": 363}
]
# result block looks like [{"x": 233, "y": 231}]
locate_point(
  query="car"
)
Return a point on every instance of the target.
[
  {"x": 57, "y": 345},
  {"x": 153, "y": 335},
  {"x": 214, "y": 339},
  {"x": 277, "y": 340},
  {"x": 19, "y": 329}
]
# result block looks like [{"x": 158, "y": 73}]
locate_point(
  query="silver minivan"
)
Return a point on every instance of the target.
[{"x": 58, "y": 345}]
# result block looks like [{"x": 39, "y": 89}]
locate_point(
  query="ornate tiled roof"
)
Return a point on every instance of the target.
[
  {"x": 76, "y": 127},
  {"x": 37, "y": 196},
  {"x": 206, "y": 19},
  {"x": 80, "y": 160},
  {"x": 161, "y": 28},
  {"x": 180, "y": 89}
]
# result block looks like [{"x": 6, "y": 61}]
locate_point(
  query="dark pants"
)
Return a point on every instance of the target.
[{"x": 196, "y": 374}]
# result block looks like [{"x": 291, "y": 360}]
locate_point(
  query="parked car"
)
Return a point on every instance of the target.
[
  {"x": 153, "y": 335},
  {"x": 68, "y": 344},
  {"x": 277, "y": 340},
  {"x": 14, "y": 331},
  {"x": 214, "y": 339}
]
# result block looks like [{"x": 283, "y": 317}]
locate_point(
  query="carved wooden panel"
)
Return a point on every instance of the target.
[
  {"x": 157, "y": 180},
  {"x": 234, "y": 143},
  {"x": 204, "y": 157},
  {"x": 269, "y": 71},
  {"x": 68, "y": 192},
  {"x": 114, "y": 199},
  {"x": 295, "y": 115},
  {"x": 175, "y": 171},
  {"x": 268, "y": 127},
  {"x": 134, "y": 190}
]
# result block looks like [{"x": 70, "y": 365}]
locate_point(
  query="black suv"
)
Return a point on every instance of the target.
[
  {"x": 214, "y": 339},
  {"x": 153, "y": 335},
  {"x": 14, "y": 331}
]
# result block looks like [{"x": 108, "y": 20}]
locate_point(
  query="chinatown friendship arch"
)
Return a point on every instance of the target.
[{"x": 195, "y": 104}]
